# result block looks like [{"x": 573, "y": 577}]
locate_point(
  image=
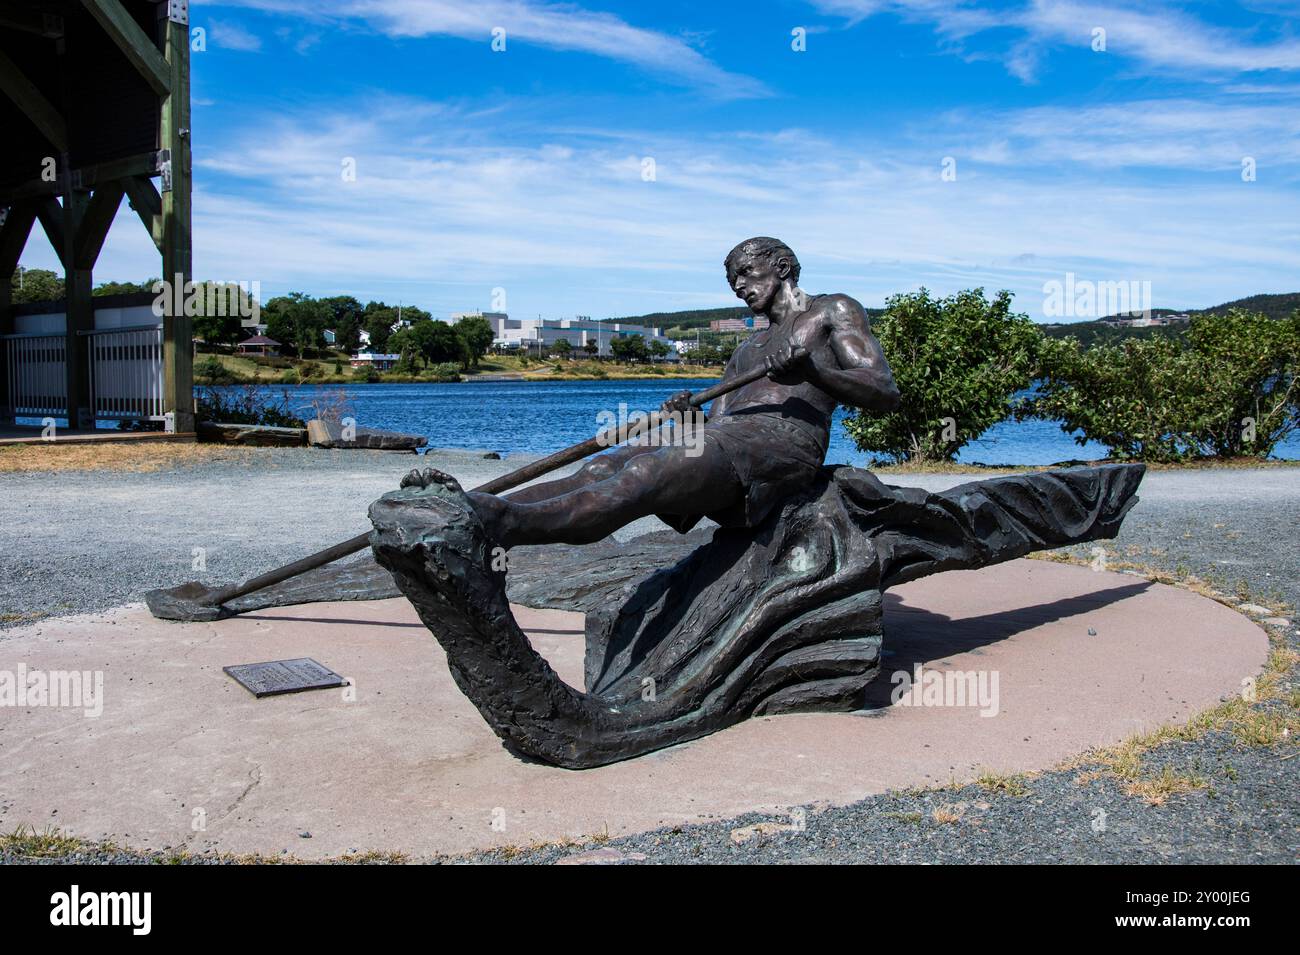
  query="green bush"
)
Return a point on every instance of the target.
[
  {"x": 444, "y": 371},
  {"x": 366, "y": 373},
  {"x": 1226, "y": 388},
  {"x": 211, "y": 371},
  {"x": 290, "y": 377},
  {"x": 958, "y": 362},
  {"x": 270, "y": 361},
  {"x": 249, "y": 404}
]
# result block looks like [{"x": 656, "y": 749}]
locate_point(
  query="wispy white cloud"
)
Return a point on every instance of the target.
[
  {"x": 560, "y": 26},
  {"x": 1152, "y": 35},
  {"x": 228, "y": 35},
  {"x": 1170, "y": 134},
  {"x": 568, "y": 223}
]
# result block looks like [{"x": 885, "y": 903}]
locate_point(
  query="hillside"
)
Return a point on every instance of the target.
[
  {"x": 1275, "y": 306},
  {"x": 700, "y": 317},
  {"x": 694, "y": 318}
]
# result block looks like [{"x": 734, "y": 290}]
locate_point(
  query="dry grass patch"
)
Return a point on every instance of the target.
[
  {"x": 1266, "y": 714},
  {"x": 112, "y": 456},
  {"x": 946, "y": 815},
  {"x": 26, "y": 842},
  {"x": 1007, "y": 785}
]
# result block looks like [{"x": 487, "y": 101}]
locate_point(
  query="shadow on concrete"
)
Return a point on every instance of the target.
[
  {"x": 914, "y": 635},
  {"x": 337, "y": 620}
]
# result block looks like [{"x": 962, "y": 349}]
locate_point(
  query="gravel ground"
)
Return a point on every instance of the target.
[{"x": 77, "y": 542}]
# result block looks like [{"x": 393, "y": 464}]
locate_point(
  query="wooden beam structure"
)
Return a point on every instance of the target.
[
  {"x": 132, "y": 41},
  {"x": 36, "y": 22},
  {"x": 43, "y": 114},
  {"x": 84, "y": 177},
  {"x": 78, "y": 283},
  {"x": 14, "y": 231},
  {"x": 83, "y": 75},
  {"x": 95, "y": 222},
  {"x": 144, "y": 199},
  {"x": 178, "y": 265},
  {"x": 50, "y": 214}
]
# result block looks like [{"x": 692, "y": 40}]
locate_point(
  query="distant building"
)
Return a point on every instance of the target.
[
  {"x": 1147, "y": 321},
  {"x": 367, "y": 359},
  {"x": 749, "y": 324},
  {"x": 259, "y": 345},
  {"x": 330, "y": 337},
  {"x": 520, "y": 334},
  {"x": 492, "y": 317}
]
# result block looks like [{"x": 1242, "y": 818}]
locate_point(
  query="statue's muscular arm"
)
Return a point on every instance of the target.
[{"x": 862, "y": 378}]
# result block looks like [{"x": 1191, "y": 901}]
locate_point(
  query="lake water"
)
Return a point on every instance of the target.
[{"x": 539, "y": 417}]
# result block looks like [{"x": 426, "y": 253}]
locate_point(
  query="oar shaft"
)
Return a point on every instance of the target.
[{"x": 523, "y": 475}]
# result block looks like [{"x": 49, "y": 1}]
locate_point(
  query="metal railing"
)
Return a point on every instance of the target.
[
  {"x": 126, "y": 372},
  {"x": 38, "y": 385}
]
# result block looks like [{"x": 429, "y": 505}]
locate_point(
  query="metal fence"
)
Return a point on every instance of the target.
[
  {"x": 38, "y": 385},
  {"x": 126, "y": 372}
]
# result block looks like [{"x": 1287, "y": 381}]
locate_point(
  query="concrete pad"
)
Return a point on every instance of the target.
[{"x": 181, "y": 755}]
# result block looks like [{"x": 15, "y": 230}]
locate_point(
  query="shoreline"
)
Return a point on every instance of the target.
[
  {"x": 463, "y": 379},
  {"x": 36, "y": 457}
]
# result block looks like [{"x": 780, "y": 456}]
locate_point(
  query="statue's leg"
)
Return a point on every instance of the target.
[
  {"x": 597, "y": 469},
  {"x": 673, "y": 480}
]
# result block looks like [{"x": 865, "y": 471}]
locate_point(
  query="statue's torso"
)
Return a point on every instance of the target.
[{"x": 803, "y": 403}]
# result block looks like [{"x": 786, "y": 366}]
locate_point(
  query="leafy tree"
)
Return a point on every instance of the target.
[
  {"x": 379, "y": 320},
  {"x": 629, "y": 348},
  {"x": 958, "y": 362},
  {"x": 122, "y": 288},
  {"x": 1228, "y": 387},
  {"x": 297, "y": 321},
  {"x": 437, "y": 342},
  {"x": 476, "y": 335},
  {"x": 403, "y": 344},
  {"x": 562, "y": 347},
  {"x": 35, "y": 285},
  {"x": 221, "y": 310},
  {"x": 591, "y": 348},
  {"x": 658, "y": 350},
  {"x": 346, "y": 318}
]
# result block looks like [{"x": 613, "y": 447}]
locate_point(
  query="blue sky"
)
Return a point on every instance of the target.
[{"x": 526, "y": 170}]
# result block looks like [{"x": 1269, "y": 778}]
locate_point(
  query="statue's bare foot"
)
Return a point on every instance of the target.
[{"x": 418, "y": 478}]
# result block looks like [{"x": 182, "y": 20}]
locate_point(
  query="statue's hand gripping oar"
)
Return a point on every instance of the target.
[{"x": 195, "y": 601}]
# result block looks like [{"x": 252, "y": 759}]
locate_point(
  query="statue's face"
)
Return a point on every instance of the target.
[{"x": 756, "y": 280}]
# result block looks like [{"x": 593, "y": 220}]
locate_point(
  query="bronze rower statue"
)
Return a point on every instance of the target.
[{"x": 762, "y": 442}]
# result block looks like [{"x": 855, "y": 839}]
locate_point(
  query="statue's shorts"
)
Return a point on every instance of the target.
[{"x": 772, "y": 457}]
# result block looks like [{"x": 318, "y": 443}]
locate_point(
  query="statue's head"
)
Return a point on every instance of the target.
[{"x": 758, "y": 267}]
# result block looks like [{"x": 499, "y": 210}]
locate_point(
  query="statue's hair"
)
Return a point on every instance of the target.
[{"x": 764, "y": 247}]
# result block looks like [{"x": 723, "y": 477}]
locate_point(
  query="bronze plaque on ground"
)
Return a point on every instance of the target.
[{"x": 284, "y": 676}]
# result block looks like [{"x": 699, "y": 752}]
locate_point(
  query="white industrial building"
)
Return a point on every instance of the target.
[{"x": 541, "y": 333}]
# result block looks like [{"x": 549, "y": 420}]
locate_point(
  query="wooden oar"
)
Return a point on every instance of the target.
[{"x": 173, "y": 602}]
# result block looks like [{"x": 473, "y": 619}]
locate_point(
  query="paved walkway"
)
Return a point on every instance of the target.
[{"x": 176, "y": 754}]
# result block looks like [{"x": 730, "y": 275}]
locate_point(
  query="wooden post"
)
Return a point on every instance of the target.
[
  {"x": 78, "y": 282},
  {"x": 17, "y": 226},
  {"x": 178, "y": 348}
]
